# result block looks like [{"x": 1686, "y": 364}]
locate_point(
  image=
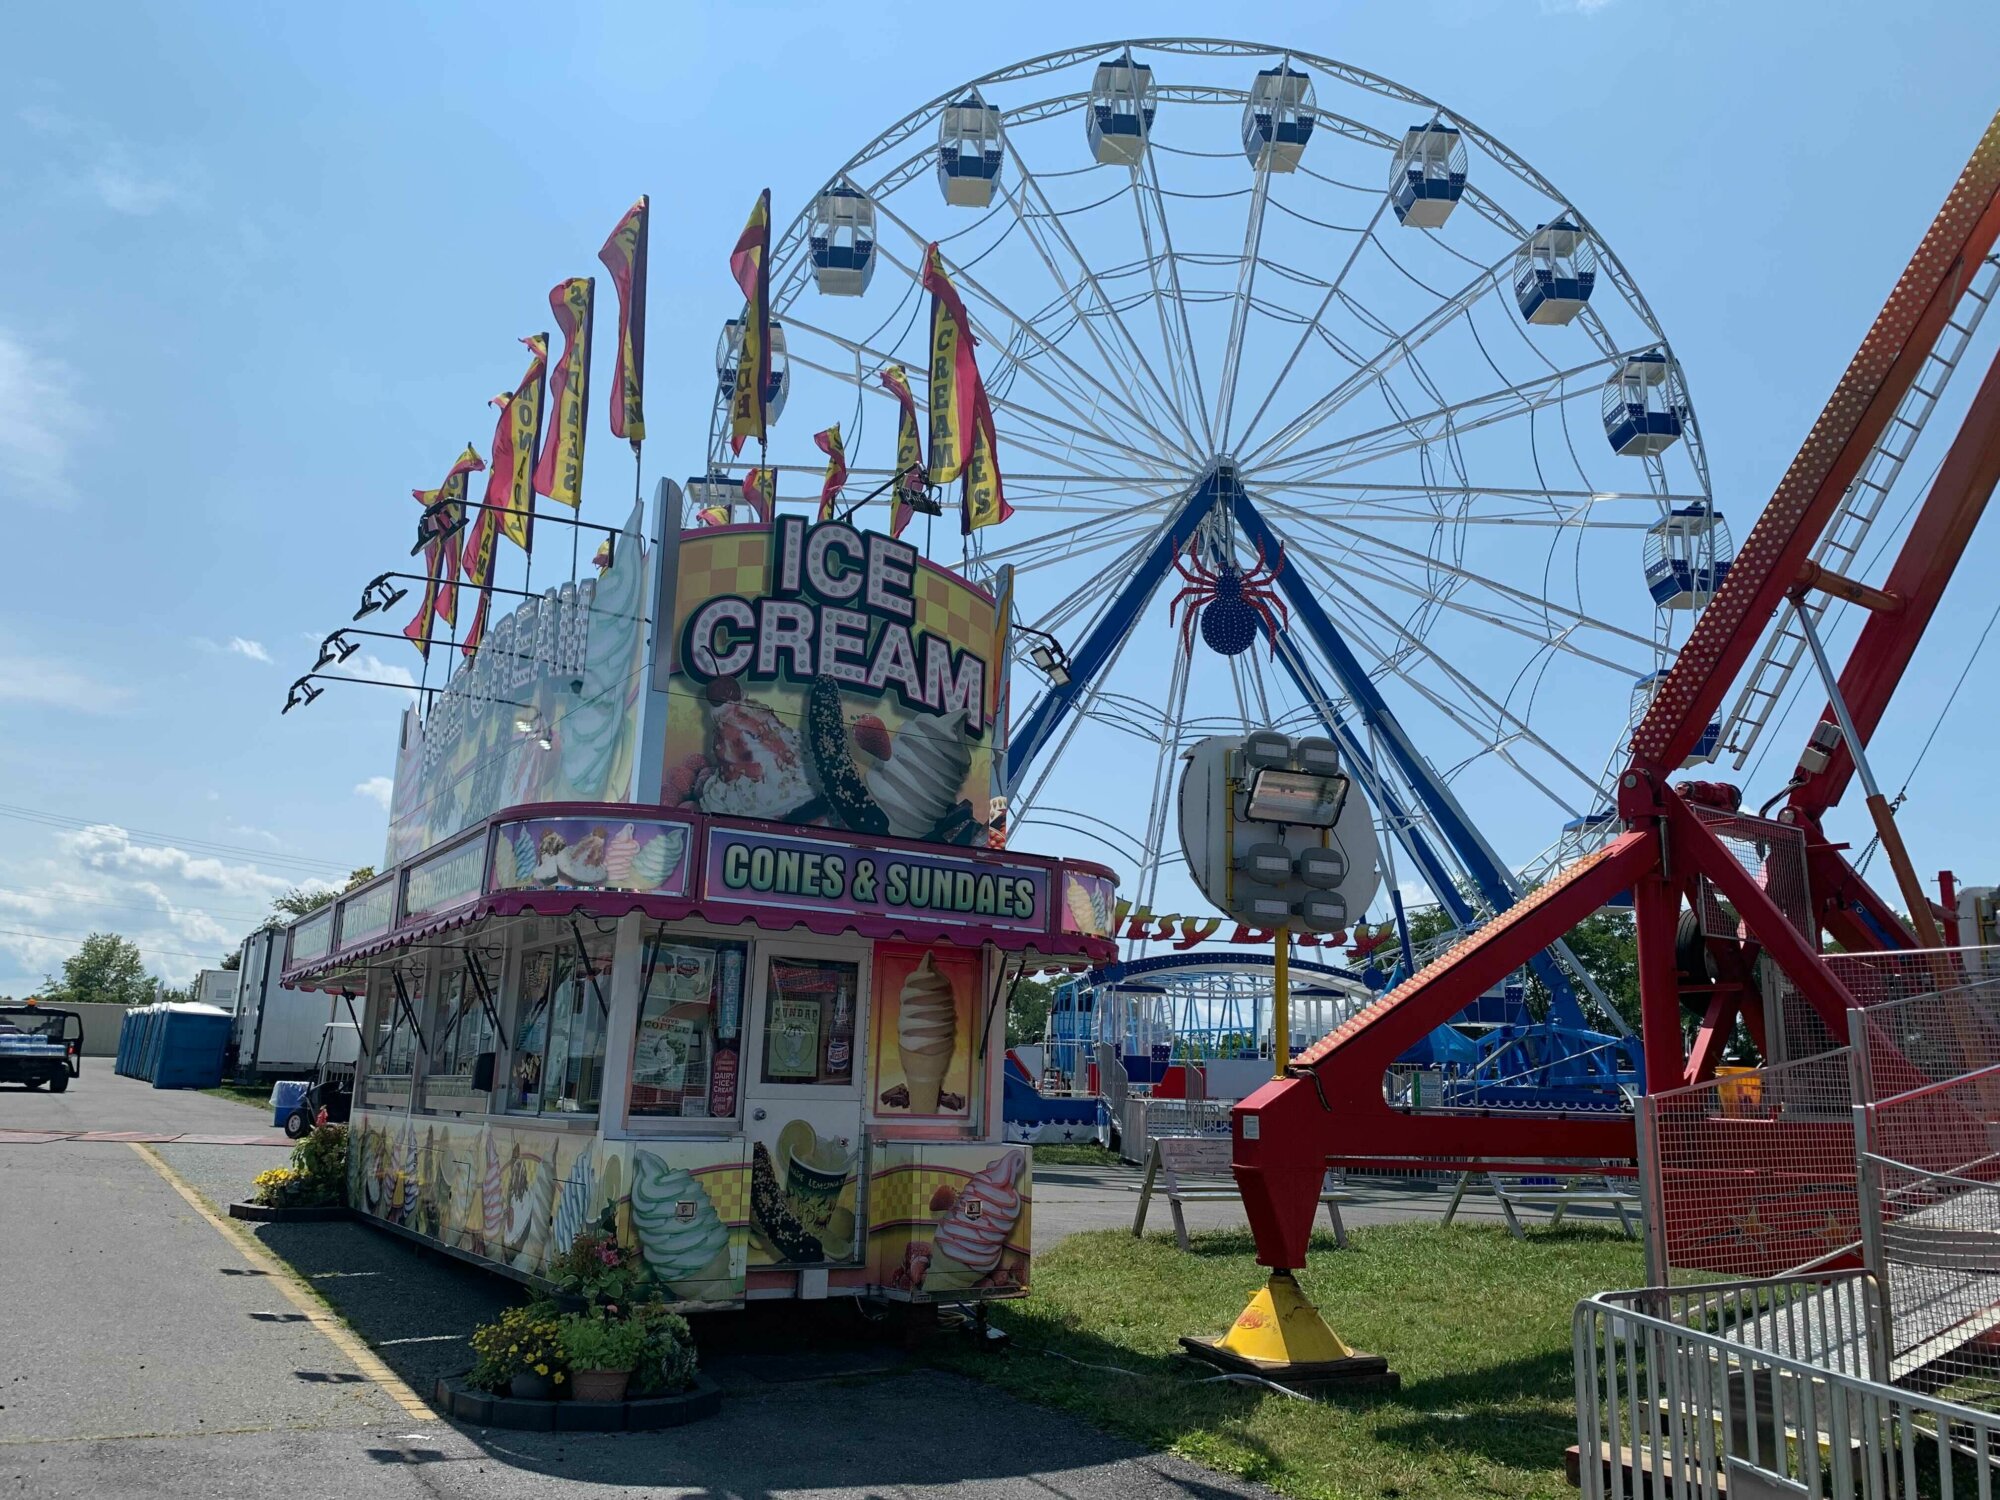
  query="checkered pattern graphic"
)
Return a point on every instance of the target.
[
  {"x": 728, "y": 1187},
  {"x": 902, "y": 1194}
]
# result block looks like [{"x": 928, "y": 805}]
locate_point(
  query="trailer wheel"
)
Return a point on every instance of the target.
[
  {"x": 296, "y": 1124},
  {"x": 59, "y": 1084}
]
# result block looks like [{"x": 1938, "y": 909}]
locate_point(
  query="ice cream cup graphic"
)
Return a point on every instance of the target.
[
  {"x": 815, "y": 1176},
  {"x": 926, "y": 1034}
]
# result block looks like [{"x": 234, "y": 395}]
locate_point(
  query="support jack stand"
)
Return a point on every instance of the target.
[{"x": 1281, "y": 1336}]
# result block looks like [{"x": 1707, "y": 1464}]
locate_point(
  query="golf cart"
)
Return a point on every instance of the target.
[
  {"x": 39, "y": 1045},
  {"x": 331, "y": 1088}
]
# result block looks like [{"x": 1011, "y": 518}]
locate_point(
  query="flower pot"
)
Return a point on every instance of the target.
[
  {"x": 528, "y": 1386},
  {"x": 599, "y": 1385}
]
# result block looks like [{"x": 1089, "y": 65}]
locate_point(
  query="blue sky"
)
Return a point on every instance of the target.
[{"x": 264, "y": 267}]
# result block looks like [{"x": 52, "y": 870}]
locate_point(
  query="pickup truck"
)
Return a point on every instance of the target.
[{"x": 39, "y": 1045}]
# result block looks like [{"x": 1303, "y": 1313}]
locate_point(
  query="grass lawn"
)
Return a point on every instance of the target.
[
  {"x": 256, "y": 1095},
  {"x": 1085, "y": 1155},
  {"x": 1477, "y": 1324}
]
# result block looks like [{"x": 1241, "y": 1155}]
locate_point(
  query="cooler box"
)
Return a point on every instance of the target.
[{"x": 285, "y": 1096}]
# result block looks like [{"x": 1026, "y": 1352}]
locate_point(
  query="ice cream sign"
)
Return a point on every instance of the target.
[
  {"x": 804, "y": 874},
  {"x": 829, "y": 676}
]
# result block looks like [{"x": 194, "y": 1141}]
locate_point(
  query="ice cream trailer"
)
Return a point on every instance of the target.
[{"x": 714, "y": 951}]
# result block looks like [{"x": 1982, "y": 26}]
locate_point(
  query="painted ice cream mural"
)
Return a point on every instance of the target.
[
  {"x": 926, "y": 1034},
  {"x": 569, "y": 666},
  {"x": 979, "y": 1238},
  {"x": 830, "y": 677},
  {"x": 924, "y": 1029},
  {"x": 592, "y": 854}
]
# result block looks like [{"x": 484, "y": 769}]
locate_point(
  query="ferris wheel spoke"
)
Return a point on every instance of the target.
[
  {"x": 1313, "y": 324},
  {"x": 1098, "y": 392},
  {"x": 1501, "y": 404},
  {"x": 1347, "y": 536},
  {"x": 1183, "y": 363},
  {"x": 1397, "y": 348},
  {"x": 1135, "y": 361},
  {"x": 1358, "y": 610},
  {"x": 1239, "y": 312}
]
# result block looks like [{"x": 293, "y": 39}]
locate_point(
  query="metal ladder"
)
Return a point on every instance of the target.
[{"x": 1839, "y": 546}]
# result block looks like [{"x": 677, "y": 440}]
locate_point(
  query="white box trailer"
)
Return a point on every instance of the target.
[
  {"x": 217, "y": 987},
  {"x": 278, "y": 1030}
]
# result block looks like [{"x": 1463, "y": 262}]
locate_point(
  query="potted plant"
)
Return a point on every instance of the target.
[
  {"x": 596, "y": 1271},
  {"x": 312, "y": 1185},
  {"x": 666, "y": 1358},
  {"x": 602, "y": 1352},
  {"x": 522, "y": 1353}
]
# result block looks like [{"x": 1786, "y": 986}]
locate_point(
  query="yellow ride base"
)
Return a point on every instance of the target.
[{"x": 1281, "y": 1336}]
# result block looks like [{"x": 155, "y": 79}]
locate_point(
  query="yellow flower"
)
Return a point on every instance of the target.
[
  {"x": 559, "y": 1378},
  {"x": 513, "y": 1348},
  {"x": 541, "y": 1369}
]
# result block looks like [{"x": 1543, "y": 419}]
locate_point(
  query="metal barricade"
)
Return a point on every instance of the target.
[
  {"x": 1743, "y": 1388},
  {"x": 1146, "y": 1120}
]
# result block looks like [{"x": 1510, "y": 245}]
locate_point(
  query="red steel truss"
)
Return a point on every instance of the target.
[{"x": 1331, "y": 1101}]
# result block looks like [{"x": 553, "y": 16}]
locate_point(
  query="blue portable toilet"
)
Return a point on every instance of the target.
[{"x": 190, "y": 1047}]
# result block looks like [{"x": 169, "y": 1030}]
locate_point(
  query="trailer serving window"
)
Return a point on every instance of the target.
[
  {"x": 395, "y": 998},
  {"x": 686, "y": 1050},
  {"x": 558, "y": 1060},
  {"x": 461, "y": 1035}
]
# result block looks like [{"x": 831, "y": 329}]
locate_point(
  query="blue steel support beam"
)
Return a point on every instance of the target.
[
  {"x": 1101, "y": 643},
  {"x": 1495, "y": 884}
]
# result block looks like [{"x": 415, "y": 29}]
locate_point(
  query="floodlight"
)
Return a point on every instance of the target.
[{"x": 1295, "y": 798}]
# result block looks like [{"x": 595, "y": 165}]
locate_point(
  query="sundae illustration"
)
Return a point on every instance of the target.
[
  {"x": 926, "y": 1038},
  {"x": 756, "y": 766},
  {"x": 675, "y": 1222}
]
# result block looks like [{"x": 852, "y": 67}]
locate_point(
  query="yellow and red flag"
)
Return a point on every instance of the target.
[
  {"x": 760, "y": 488},
  {"x": 624, "y": 256},
  {"x": 712, "y": 515},
  {"x": 909, "y": 450},
  {"x": 439, "y": 531},
  {"x": 963, "y": 441},
  {"x": 750, "y": 264},
  {"x": 829, "y": 443},
  {"x": 516, "y": 436},
  {"x": 443, "y": 529},
  {"x": 954, "y": 375},
  {"x": 985, "y": 500},
  {"x": 559, "y": 471}
]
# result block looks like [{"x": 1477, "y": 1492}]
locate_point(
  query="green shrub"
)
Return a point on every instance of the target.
[{"x": 591, "y": 1341}]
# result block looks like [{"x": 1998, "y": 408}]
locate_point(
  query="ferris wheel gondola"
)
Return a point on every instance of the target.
[{"x": 1230, "y": 300}]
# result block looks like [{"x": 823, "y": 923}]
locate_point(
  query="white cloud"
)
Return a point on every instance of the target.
[
  {"x": 236, "y": 645},
  {"x": 111, "y": 170},
  {"x": 44, "y": 419},
  {"x": 371, "y": 667},
  {"x": 376, "y": 789},
  {"x": 184, "y": 911},
  {"x": 26, "y": 679}
]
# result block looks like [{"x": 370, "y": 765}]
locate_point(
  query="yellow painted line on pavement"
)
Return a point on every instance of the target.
[{"x": 286, "y": 1281}]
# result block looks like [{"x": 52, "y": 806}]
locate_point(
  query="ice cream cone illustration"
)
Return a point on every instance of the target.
[
  {"x": 926, "y": 1034},
  {"x": 983, "y": 1215},
  {"x": 675, "y": 1222}
]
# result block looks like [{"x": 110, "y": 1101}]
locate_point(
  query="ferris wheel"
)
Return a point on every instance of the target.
[{"x": 1278, "y": 343}]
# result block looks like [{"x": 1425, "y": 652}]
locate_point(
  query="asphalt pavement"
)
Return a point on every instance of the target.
[{"x": 151, "y": 1351}]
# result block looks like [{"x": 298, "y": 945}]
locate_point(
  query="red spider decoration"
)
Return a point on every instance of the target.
[{"x": 1231, "y": 603}]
